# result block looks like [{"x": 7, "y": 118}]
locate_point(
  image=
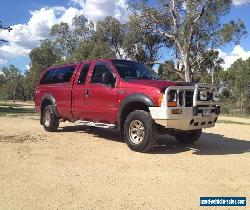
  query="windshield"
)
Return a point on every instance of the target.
[{"x": 134, "y": 70}]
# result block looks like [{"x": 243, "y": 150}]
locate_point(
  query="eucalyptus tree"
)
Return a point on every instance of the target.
[
  {"x": 140, "y": 43},
  {"x": 192, "y": 27},
  {"x": 112, "y": 32}
]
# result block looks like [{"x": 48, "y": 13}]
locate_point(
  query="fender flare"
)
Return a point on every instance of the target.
[
  {"x": 52, "y": 99},
  {"x": 137, "y": 97}
]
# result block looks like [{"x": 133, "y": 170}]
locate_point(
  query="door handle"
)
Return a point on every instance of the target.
[{"x": 86, "y": 92}]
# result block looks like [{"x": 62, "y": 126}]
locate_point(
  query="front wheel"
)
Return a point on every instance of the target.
[
  {"x": 140, "y": 131},
  {"x": 50, "y": 121},
  {"x": 188, "y": 137}
]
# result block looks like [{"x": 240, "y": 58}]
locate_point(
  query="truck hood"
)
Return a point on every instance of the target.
[{"x": 161, "y": 84}]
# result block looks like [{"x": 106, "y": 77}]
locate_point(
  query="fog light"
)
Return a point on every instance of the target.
[{"x": 176, "y": 111}]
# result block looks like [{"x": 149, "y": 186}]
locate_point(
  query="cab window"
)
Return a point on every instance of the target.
[
  {"x": 83, "y": 74},
  {"x": 99, "y": 69}
]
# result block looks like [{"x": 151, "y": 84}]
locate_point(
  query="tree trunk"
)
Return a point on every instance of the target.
[
  {"x": 187, "y": 68},
  {"x": 241, "y": 102}
]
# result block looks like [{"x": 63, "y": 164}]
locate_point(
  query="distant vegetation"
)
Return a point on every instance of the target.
[
  {"x": 191, "y": 30},
  {"x": 16, "y": 109}
]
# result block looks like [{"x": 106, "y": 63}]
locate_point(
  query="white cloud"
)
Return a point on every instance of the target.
[
  {"x": 231, "y": 57},
  {"x": 240, "y": 2},
  {"x": 26, "y": 36},
  {"x": 2, "y": 61},
  {"x": 99, "y": 9},
  {"x": 27, "y": 67}
]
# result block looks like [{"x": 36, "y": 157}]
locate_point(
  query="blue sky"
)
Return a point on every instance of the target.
[{"x": 31, "y": 21}]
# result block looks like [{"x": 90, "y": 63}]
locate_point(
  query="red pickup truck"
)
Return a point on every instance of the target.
[{"x": 126, "y": 95}]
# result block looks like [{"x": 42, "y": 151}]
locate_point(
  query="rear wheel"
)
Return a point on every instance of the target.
[
  {"x": 139, "y": 131},
  {"x": 50, "y": 121},
  {"x": 188, "y": 137}
]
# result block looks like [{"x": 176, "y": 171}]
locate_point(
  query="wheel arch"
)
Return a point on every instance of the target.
[
  {"x": 131, "y": 103},
  {"x": 46, "y": 100}
]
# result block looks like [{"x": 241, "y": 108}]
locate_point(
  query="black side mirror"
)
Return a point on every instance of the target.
[{"x": 108, "y": 79}]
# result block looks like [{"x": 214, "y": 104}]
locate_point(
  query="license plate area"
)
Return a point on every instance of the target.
[{"x": 207, "y": 112}]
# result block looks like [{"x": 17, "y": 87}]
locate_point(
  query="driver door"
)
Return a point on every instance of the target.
[{"x": 101, "y": 100}]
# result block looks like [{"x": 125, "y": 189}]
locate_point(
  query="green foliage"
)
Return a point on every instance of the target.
[
  {"x": 11, "y": 83},
  {"x": 167, "y": 71},
  {"x": 41, "y": 58},
  {"x": 236, "y": 86},
  {"x": 16, "y": 110},
  {"x": 111, "y": 32},
  {"x": 140, "y": 43},
  {"x": 192, "y": 28},
  {"x": 92, "y": 50}
]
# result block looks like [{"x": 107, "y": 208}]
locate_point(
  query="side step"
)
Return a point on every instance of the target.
[{"x": 93, "y": 124}]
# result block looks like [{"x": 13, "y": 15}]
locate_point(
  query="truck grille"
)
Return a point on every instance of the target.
[
  {"x": 189, "y": 98},
  {"x": 186, "y": 98},
  {"x": 200, "y": 95}
]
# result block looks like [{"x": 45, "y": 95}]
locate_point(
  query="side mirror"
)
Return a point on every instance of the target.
[{"x": 108, "y": 79}]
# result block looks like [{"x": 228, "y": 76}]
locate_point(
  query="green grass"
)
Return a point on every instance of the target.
[
  {"x": 240, "y": 115},
  {"x": 14, "y": 104},
  {"x": 16, "y": 111}
]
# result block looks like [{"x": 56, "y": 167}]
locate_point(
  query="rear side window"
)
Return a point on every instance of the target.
[
  {"x": 47, "y": 76},
  {"x": 63, "y": 74},
  {"x": 98, "y": 71},
  {"x": 58, "y": 75},
  {"x": 84, "y": 73}
]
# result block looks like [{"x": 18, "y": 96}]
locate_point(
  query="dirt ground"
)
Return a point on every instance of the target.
[{"x": 90, "y": 168}]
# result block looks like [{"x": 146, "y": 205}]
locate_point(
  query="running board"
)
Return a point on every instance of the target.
[{"x": 98, "y": 125}]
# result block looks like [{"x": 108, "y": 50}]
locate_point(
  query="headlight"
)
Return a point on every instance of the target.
[{"x": 203, "y": 95}]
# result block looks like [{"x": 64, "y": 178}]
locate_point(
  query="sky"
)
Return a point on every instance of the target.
[{"x": 31, "y": 21}]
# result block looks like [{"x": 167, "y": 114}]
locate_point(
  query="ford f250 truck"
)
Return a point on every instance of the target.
[{"x": 126, "y": 95}]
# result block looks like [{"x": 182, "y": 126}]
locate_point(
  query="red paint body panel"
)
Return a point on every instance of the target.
[{"x": 102, "y": 103}]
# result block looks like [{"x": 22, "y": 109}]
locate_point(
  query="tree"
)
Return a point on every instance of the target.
[
  {"x": 236, "y": 83},
  {"x": 140, "y": 43},
  {"x": 12, "y": 83},
  {"x": 41, "y": 58},
  {"x": 4, "y": 28},
  {"x": 65, "y": 40},
  {"x": 68, "y": 39},
  {"x": 112, "y": 32},
  {"x": 193, "y": 28},
  {"x": 167, "y": 71},
  {"x": 92, "y": 50}
]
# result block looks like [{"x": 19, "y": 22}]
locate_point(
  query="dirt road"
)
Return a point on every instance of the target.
[{"x": 90, "y": 168}]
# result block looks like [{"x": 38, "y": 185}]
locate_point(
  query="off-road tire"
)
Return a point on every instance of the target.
[
  {"x": 149, "y": 138},
  {"x": 188, "y": 137},
  {"x": 52, "y": 123}
]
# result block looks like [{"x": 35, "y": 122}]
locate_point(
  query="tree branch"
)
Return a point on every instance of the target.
[{"x": 199, "y": 15}]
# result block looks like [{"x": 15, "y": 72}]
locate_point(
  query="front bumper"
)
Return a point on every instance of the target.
[{"x": 190, "y": 118}]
